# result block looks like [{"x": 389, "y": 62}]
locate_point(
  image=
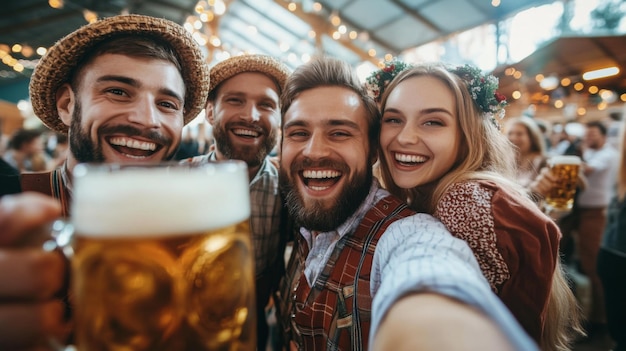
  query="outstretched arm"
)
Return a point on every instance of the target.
[
  {"x": 417, "y": 257},
  {"x": 428, "y": 321}
]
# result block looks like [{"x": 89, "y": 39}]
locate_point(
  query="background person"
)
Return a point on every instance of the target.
[
  {"x": 612, "y": 255},
  {"x": 530, "y": 148},
  {"x": 243, "y": 109},
  {"x": 26, "y": 151},
  {"x": 585, "y": 226}
]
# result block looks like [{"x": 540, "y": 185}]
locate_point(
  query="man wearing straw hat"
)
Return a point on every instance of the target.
[
  {"x": 244, "y": 111},
  {"x": 122, "y": 88}
]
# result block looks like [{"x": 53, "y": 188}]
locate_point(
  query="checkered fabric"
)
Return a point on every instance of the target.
[{"x": 335, "y": 313}]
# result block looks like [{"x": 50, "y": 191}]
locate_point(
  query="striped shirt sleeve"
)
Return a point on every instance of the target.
[{"x": 417, "y": 254}]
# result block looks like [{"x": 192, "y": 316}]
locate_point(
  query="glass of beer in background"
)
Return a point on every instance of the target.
[
  {"x": 162, "y": 257},
  {"x": 561, "y": 197}
]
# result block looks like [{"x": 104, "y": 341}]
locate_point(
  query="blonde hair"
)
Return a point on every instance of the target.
[
  {"x": 563, "y": 316},
  {"x": 483, "y": 153}
]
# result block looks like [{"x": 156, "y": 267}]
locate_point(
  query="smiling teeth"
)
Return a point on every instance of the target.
[
  {"x": 321, "y": 174},
  {"x": 246, "y": 132},
  {"x": 133, "y": 143},
  {"x": 410, "y": 158}
]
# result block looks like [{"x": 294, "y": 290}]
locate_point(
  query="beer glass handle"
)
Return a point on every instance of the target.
[{"x": 62, "y": 234}]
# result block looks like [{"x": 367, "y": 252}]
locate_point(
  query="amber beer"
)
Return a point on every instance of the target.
[
  {"x": 163, "y": 258},
  {"x": 565, "y": 168}
]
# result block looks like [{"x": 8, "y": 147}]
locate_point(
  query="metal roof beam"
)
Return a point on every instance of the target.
[{"x": 322, "y": 26}]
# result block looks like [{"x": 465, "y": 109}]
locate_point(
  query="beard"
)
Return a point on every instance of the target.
[
  {"x": 84, "y": 149},
  {"x": 318, "y": 216},
  {"x": 252, "y": 155}
]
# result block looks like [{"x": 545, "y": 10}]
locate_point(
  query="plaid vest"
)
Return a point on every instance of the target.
[{"x": 335, "y": 313}]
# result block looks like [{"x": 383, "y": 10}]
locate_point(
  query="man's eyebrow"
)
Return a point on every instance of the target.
[
  {"x": 121, "y": 79},
  {"x": 296, "y": 123},
  {"x": 331, "y": 122},
  {"x": 135, "y": 83},
  {"x": 342, "y": 122}
]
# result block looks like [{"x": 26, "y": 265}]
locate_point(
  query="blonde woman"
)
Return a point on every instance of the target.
[
  {"x": 524, "y": 133},
  {"x": 441, "y": 149}
]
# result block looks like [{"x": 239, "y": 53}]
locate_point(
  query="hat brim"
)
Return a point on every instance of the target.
[
  {"x": 232, "y": 66},
  {"x": 54, "y": 68}
]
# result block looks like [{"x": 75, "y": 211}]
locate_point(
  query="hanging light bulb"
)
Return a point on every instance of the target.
[
  {"x": 90, "y": 16},
  {"x": 220, "y": 7},
  {"x": 56, "y": 4}
]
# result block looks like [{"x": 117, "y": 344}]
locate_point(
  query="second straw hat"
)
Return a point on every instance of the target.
[{"x": 232, "y": 66}]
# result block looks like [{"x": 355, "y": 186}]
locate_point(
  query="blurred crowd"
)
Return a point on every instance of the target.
[
  {"x": 597, "y": 143},
  {"x": 33, "y": 149}
]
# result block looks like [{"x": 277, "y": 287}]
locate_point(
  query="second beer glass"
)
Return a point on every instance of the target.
[{"x": 561, "y": 197}]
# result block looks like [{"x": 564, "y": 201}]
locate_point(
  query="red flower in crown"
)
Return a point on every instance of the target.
[
  {"x": 499, "y": 97},
  {"x": 389, "y": 68}
]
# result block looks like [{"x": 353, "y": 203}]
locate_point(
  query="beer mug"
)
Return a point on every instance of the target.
[
  {"x": 561, "y": 197},
  {"x": 161, "y": 257}
]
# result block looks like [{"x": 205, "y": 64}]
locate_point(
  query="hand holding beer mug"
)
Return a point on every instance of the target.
[
  {"x": 565, "y": 169},
  {"x": 162, "y": 257}
]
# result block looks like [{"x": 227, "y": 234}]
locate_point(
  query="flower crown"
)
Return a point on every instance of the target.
[
  {"x": 378, "y": 80},
  {"x": 483, "y": 90}
]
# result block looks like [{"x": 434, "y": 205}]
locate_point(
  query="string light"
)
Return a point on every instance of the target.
[
  {"x": 56, "y": 4},
  {"x": 203, "y": 26}
]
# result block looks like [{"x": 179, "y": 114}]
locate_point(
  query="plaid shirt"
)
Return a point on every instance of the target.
[{"x": 265, "y": 206}]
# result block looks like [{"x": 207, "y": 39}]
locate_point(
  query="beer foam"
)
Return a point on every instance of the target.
[
  {"x": 564, "y": 160},
  {"x": 160, "y": 202}
]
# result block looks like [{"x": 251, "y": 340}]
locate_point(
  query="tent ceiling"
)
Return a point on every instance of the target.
[
  {"x": 567, "y": 57},
  {"x": 388, "y": 26}
]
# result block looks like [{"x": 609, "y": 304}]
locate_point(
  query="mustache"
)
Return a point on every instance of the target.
[{"x": 135, "y": 132}]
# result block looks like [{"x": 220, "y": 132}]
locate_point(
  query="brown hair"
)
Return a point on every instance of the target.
[
  {"x": 326, "y": 71},
  {"x": 132, "y": 45}
]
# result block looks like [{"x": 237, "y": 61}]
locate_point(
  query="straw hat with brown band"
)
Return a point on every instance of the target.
[
  {"x": 55, "y": 67},
  {"x": 232, "y": 66}
]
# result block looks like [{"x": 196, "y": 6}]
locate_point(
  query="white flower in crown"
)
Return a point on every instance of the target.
[
  {"x": 483, "y": 89},
  {"x": 378, "y": 80}
]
